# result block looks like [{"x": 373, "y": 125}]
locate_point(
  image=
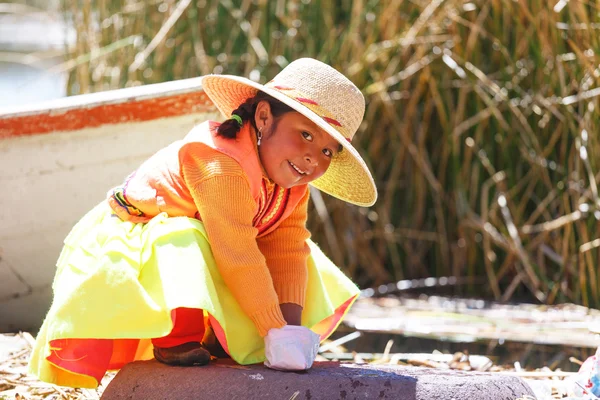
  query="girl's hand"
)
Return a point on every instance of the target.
[
  {"x": 292, "y": 313},
  {"x": 291, "y": 348}
]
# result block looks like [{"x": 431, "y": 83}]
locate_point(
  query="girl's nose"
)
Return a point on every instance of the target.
[{"x": 310, "y": 160}]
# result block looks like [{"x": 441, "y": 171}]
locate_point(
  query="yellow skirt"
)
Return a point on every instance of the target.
[{"x": 117, "y": 282}]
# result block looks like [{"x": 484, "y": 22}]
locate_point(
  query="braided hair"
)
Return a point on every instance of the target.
[{"x": 230, "y": 127}]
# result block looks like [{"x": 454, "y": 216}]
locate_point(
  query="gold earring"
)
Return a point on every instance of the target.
[{"x": 259, "y": 135}]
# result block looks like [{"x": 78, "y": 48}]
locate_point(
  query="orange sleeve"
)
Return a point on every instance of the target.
[
  {"x": 222, "y": 195},
  {"x": 286, "y": 252}
]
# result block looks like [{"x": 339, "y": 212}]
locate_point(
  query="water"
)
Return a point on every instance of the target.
[
  {"x": 24, "y": 84},
  {"x": 529, "y": 356},
  {"x": 32, "y": 44}
]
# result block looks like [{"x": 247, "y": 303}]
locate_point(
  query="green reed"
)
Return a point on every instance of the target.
[{"x": 480, "y": 122}]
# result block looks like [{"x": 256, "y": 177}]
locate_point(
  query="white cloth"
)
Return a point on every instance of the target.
[
  {"x": 291, "y": 348},
  {"x": 586, "y": 383}
]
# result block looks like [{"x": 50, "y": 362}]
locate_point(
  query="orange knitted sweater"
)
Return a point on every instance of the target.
[{"x": 262, "y": 269}]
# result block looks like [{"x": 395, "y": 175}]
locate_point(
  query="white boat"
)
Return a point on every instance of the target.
[{"x": 58, "y": 159}]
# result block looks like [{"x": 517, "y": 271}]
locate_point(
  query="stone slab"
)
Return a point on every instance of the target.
[{"x": 144, "y": 380}]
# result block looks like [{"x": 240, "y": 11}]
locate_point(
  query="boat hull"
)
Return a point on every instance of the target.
[{"x": 58, "y": 160}]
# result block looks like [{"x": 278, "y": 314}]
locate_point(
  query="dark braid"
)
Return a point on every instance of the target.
[{"x": 230, "y": 127}]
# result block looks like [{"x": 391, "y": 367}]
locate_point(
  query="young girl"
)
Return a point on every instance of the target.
[{"x": 204, "y": 247}]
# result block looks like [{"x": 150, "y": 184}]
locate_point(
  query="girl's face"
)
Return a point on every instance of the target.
[{"x": 293, "y": 150}]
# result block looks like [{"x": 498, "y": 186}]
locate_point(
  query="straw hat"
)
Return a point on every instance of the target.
[{"x": 328, "y": 99}]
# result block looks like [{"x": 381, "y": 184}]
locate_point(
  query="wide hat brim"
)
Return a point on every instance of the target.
[{"x": 347, "y": 178}]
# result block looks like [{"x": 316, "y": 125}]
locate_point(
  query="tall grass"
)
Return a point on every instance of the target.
[{"x": 480, "y": 126}]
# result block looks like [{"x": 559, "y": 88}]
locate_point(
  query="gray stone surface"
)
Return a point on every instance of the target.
[{"x": 326, "y": 380}]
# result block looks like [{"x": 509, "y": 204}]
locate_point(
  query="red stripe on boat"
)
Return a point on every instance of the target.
[{"x": 80, "y": 117}]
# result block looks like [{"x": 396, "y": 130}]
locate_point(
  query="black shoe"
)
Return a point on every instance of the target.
[{"x": 187, "y": 354}]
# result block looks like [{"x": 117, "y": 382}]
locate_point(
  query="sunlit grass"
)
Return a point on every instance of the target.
[{"x": 480, "y": 126}]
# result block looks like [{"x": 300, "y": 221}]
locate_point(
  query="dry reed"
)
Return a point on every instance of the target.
[{"x": 479, "y": 125}]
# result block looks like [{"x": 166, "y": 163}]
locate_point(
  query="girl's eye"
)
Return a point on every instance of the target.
[
  {"x": 328, "y": 152},
  {"x": 307, "y": 136}
]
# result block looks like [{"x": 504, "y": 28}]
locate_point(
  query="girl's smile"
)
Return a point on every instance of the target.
[
  {"x": 298, "y": 170},
  {"x": 293, "y": 150}
]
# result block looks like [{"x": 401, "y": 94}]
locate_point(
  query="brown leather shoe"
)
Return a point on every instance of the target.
[{"x": 187, "y": 354}]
